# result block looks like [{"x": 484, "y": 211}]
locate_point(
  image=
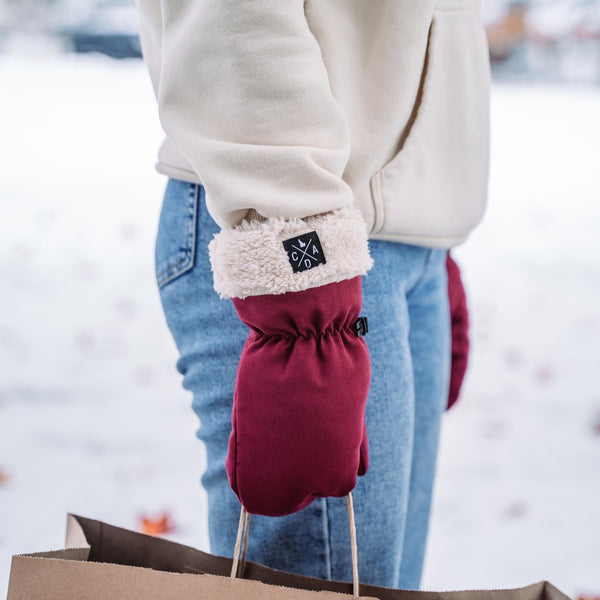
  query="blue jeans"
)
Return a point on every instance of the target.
[{"x": 405, "y": 300}]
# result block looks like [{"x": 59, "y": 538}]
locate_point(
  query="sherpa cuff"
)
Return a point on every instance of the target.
[{"x": 274, "y": 256}]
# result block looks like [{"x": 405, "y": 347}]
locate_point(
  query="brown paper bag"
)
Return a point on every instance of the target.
[{"x": 103, "y": 562}]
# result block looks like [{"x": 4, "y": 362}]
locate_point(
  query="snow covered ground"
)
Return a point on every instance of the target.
[{"x": 93, "y": 419}]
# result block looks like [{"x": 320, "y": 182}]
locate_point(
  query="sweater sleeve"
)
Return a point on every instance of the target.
[{"x": 244, "y": 95}]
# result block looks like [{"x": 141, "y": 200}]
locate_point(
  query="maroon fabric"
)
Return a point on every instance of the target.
[
  {"x": 460, "y": 329},
  {"x": 299, "y": 405}
]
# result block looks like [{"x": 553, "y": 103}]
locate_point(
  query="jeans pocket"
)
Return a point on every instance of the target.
[{"x": 175, "y": 250}]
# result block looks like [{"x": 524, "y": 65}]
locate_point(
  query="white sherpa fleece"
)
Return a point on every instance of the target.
[{"x": 250, "y": 260}]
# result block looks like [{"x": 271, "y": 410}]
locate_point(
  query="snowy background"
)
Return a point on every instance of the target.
[{"x": 93, "y": 419}]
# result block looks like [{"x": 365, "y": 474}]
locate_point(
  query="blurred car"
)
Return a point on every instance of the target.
[{"x": 109, "y": 27}]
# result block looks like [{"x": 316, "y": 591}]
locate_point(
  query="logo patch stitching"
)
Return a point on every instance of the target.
[{"x": 304, "y": 252}]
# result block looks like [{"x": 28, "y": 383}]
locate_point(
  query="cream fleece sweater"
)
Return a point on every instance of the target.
[{"x": 373, "y": 110}]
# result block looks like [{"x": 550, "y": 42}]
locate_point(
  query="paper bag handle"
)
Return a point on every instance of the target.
[{"x": 241, "y": 543}]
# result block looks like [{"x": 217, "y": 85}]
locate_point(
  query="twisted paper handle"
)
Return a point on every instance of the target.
[{"x": 241, "y": 543}]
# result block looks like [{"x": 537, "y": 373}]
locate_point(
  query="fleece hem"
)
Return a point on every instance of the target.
[{"x": 250, "y": 259}]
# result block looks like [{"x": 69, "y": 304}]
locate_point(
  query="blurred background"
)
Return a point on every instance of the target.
[{"x": 93, "y": 419}]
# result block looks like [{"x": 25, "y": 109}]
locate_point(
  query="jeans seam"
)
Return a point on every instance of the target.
[
  {"x": 422, "y": 277},
  {"x": 172, "y": 271},
  {"x": 327, "y": 539}
]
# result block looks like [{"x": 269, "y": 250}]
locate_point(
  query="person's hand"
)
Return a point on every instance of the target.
[
  {"x": 303, "y": 378},
  {"x": 459, "y": 316}
]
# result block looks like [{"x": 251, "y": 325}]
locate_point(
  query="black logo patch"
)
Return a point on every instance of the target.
[{"x": 304, "y": 252}]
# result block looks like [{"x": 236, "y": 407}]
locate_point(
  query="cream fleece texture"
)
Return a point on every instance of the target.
[{"x": 250, "y": 260}]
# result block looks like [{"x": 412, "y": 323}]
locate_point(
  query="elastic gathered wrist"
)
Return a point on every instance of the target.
[{"x": 308, "y": 314}]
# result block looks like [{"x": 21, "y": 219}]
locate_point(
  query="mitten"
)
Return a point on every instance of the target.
[
  {"x": 298, "y": 421},
  {"x": 459, "y": 316}
]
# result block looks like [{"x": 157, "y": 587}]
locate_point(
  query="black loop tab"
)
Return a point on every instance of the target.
[{"x": 361, "y": 327}]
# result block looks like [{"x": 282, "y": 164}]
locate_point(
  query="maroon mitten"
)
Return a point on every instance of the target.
[
  {"x": 459, "y": 316},
  {"x": 299, "y": 405}
]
